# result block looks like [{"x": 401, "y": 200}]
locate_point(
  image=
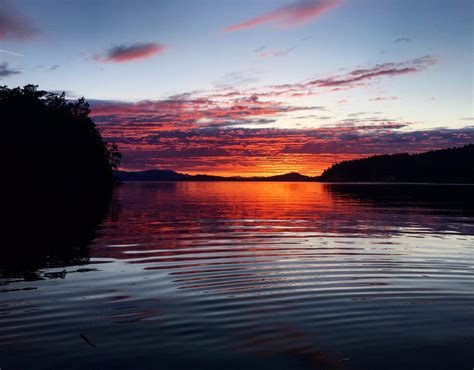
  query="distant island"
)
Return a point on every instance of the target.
[
  {"x": 169, "y": 175},
  {"x": 454, "y": 165}
]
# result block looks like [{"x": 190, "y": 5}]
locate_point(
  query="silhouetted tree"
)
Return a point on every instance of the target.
[
  {"x": 58, "y": 172},
  {"x": 52, "y": 141}
]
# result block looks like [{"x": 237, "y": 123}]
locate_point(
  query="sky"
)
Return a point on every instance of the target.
[{"x": 252, "y": 87}]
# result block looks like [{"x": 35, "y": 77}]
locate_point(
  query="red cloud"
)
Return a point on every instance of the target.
[
  {"x": 270, "y": 151},
  {"x": 127, "y": 53},
  {"x": 289, "y": 16},
  {"x": 191, "y": 113},
  {"x": 14, "y": 25},
  {"x": 6, "y": 71},
  {"x": 202, "y": 131}
]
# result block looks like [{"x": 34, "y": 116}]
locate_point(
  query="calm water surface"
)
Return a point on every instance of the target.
[{"x": 255, "y": 276}]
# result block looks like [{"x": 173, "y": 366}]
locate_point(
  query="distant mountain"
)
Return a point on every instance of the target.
[
  {"x": 454, "y": 165},
  {"x": 151, "y": 175},
  {"x": 292, "y": 176},
  {"x": 169, "y": 175}
]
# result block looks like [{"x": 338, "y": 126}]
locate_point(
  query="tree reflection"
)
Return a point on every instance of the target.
[{"x": 53, "y": 230}]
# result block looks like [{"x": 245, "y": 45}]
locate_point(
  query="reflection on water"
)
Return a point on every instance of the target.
[
  {"x": 256, "y": 275},
  {"x": 54, "y": 230}
]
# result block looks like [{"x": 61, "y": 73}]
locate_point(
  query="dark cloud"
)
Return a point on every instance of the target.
[
  {"x": 6, "y": 71},
  {"x": 384, "y": 98},
  {"x": 259, "y": 49},
  {"x": 380, "y": 70},
  {"x": 402, "y": 39},
  {"x": 383, "y": 139}
]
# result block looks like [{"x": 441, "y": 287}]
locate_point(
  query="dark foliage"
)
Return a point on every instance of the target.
[
  {"x": 53, "y": 143},
  {"x": 59, "y": 174},
  {"x": 455, "y": 165}
]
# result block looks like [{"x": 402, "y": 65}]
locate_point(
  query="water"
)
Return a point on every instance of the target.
[{"x": 254, "y": 276}]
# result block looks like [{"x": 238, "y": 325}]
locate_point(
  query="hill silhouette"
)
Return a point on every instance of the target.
[
  {"x": 454, "y": 165},
  {"x": 169, "y": 175}
]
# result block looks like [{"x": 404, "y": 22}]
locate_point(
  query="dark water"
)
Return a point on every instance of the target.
[{"x": 253, "y": 276}]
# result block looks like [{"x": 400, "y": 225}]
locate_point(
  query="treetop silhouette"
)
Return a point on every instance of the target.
[{"x": 53, "y": 143}]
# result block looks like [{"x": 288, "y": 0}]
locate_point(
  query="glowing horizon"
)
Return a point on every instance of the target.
[{"x": 252, "y": 89}]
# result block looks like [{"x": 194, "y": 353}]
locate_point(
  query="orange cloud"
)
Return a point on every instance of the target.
[
  {"x": 265, "y": 151},
  {"x": 208, "y": 131}
]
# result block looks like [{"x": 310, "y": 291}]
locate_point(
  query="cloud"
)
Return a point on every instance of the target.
[
  {"x": 384, "y": 98},
  {"x": 259, "y": 49},
  {"x": 385, "y": 139},
  {"x": 244, "y": 77},
  {"x": 354, "y": 78},
  {"x": 14, "y": 25},
  {"x": 275, "y": 53},
  {"x": 327, "y": 84},
  {"x": 128, "y": 53},
  {"x": 272, "y": 150},
  {"x": 292, "y": 15},
  {"x": 379, "y": 70},
  {"x": 6, "y": 71},
  {"x": 212, "y": 134},
  {"x": 230, "y": 130},
  {"x": 402, "y": 39},
  {"x": 189, "y": 112}
]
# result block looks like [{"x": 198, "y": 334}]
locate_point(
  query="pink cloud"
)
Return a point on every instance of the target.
[
  {"x": 354, "y": 78},
  {"x": 292, "y": 15},
  {"x": 14, "y": 25},
  {"x": 127, "y": 53},
  {"x": 233, "y": 131},
  {"x": 189, "y": 113}
]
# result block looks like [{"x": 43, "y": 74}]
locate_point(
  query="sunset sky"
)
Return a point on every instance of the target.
[{"x": 252, "y": 87}]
